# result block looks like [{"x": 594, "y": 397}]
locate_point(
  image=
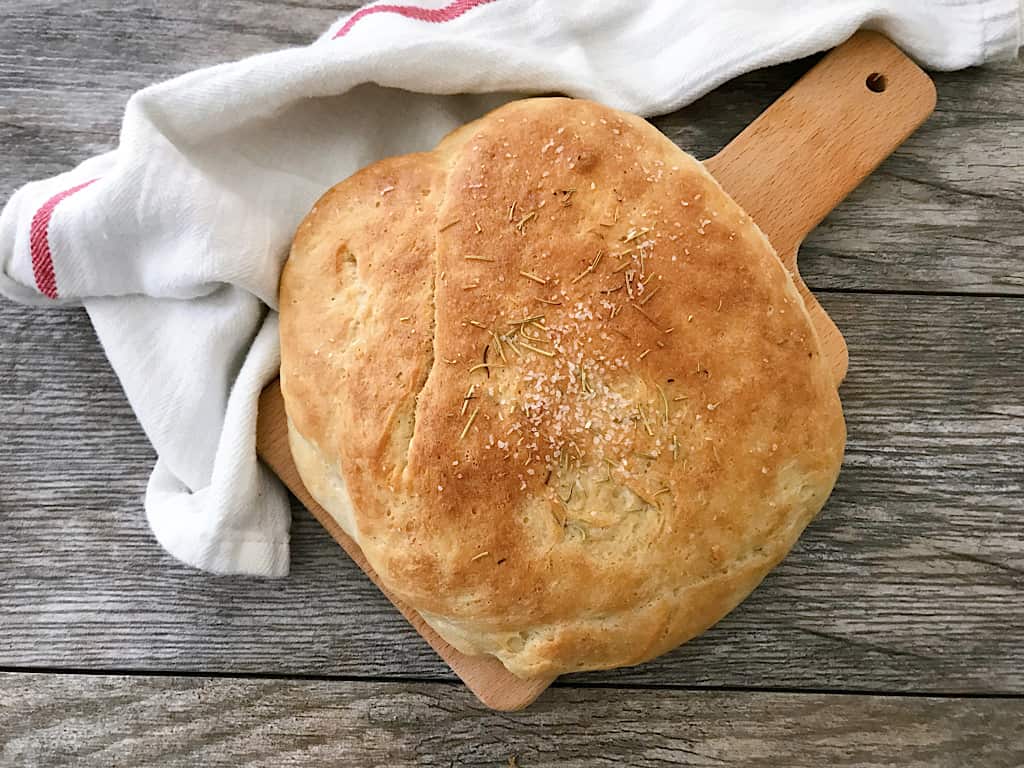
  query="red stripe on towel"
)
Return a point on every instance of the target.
[
  {"x": 433, "y": 15},
  {"x": 39, "y": 242}
]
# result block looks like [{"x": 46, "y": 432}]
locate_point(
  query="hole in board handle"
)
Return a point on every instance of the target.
[{"x": 875, "y": 82}]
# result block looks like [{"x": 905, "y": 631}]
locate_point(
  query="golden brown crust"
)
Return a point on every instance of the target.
[{"x": 628, "y": 466}]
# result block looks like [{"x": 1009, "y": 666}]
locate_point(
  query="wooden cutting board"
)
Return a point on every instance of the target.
[{"x": 788, "y": 169}]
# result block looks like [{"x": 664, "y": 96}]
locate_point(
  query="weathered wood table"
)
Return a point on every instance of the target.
[{"x": 894, "y": 633}]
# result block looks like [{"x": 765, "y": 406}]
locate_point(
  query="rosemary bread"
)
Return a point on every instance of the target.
[{"x": 557, "y": 385}]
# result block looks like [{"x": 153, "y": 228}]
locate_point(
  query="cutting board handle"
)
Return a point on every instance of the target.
[{"x": 813, "y": 146}]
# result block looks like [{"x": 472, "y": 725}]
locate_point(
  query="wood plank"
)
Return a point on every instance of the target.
[
  {"x": 182, "y": 721},
  {"x": 942, "y": 214},
  {"x": 67, "y": 68},
  {"x": 912, "y": 579}
]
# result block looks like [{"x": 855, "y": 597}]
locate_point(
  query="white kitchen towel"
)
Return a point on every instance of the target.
[{"x": 174, "y": 241}]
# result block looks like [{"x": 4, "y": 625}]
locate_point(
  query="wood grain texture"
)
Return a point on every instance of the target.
[
  {"x": 169, "y": 721},
  {"x": 818, "y": 142},
  {"x": 911, "y": 579}
]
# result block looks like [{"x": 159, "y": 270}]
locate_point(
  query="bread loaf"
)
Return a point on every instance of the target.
[{"x": 557, "y": 385}]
